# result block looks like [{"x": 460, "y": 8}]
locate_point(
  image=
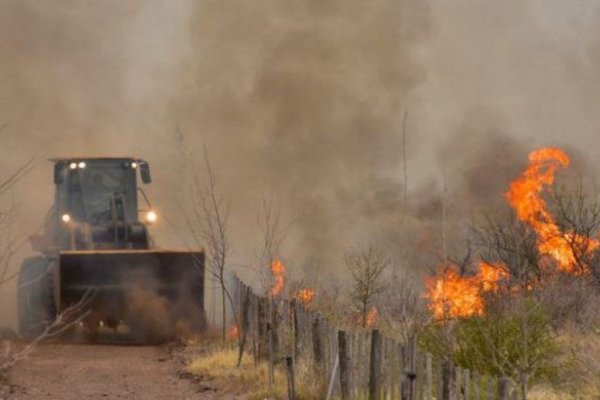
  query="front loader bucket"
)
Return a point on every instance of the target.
[{"x": 147, "y": 290}]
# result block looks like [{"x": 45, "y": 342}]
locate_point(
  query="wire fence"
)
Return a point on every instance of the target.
[{"x": 352, "y": 364}]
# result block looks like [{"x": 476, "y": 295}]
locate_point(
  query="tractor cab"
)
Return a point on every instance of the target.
[{"x": 96, "y": 204}]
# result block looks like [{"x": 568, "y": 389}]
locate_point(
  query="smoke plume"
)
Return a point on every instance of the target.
[{"x": 304, "y": 101}]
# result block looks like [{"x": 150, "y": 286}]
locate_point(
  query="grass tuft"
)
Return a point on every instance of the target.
[{"x": 250, "y": 380}]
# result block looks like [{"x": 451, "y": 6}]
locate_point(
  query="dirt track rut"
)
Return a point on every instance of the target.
[{"x": 69, "y": 371}]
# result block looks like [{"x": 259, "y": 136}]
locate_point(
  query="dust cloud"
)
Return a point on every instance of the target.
[{"x": 303, "y": 100}]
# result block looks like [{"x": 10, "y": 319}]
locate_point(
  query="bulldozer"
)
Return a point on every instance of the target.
[{"x": 97, "y": 263}]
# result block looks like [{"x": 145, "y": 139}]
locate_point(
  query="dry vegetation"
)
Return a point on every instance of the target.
[
  {"x": 249, "y": 381},
  {"x": 540, "y": 326},
  {"x": 10, "y": 353},
  {"x": 207, "y": 219},
  {"x": 13, "y": 351}
]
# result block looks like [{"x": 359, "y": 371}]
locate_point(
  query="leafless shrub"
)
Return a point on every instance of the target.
[
  {"x": 581, "y": 377},
  {"x": 577, "y": 212},
  {"x": 500, "y": 238},
  {"x": 570, "y": 300},
  {"x": 10, "y": 242},
  {"x": 13, "y": 353},
  {"x": 273, "y": 235},
  {"x": 403, "y": 308},
  {"x": 367, "y": 267},
  {"x": 208, "y": 223}
]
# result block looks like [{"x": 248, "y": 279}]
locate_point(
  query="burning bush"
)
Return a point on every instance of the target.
[
  {"x": 540, "y": 241},
  {"x": 538, "y": 273}
]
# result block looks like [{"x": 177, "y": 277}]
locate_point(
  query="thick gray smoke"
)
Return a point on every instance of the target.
[{"x": 303, "y": 100}]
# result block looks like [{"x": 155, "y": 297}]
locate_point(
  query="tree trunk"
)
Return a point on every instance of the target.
[{"x": 223, "y": 314}]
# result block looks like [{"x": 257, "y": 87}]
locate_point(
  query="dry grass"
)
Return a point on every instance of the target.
[
  {"x": 577, "y": 379},
  {"x": 544, "y": 392},
  {"x": 250, "y": 381},
  {"x": 579, "y": 368},
  {"x": 582, "y": 364}
]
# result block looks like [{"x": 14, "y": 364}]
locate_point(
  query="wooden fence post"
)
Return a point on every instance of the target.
[
  {"x": 375, "y": 366},
  {"x": 260, "y": 319},
  {"x": 491, "y": 388},
  {"x": 274, "y": 320},
  {"x": 447, "y": 380},
  {"x": 409, "y": 374},
  {"x": 384, "y": 361},
  {"x": 295, "y": 327},
  {"x": 439, "y": 370},
  {"x": 428, "y": 393},
  {"x": 359, "y": 373},
  {"x": 317, "y": 344},
  {"x": 263, "y": 328},
  {"x": 504, "y": 388},
  {"x": 403, "y": 380},
  {"x": 457, "y": 390},
  {"x": 412, "y": 371},
  {"x": 476, "y": 379},
  {"x": 466, "y": 379},
  {"x": 244, "y": 328},
  {"x": 420, "y": 379},
  {"x": 255, "y": 326},
  {"x": 291, "y": 385},
  {"x": 344, "y": 367}
]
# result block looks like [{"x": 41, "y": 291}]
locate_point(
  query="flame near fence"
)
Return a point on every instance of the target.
[{"x": 351, "y": 364}]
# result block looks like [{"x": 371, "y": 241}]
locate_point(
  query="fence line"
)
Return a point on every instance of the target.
[{"x": 357, "y": 364}]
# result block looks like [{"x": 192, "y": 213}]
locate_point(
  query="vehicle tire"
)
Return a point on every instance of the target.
[{"x": 35, "y": 297}]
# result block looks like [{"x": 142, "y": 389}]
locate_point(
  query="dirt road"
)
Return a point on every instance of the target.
[{"x": 70, "y": 371}]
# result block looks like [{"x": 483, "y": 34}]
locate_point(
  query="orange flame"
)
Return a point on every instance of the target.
[
  {"x": 305, "y": 295},
  {"x": 371, "y": 317},
  {"x": 454, "y": 296},
  {"x": 233, "y": 333},
  {"x": 278, "y": 272},
  {"x": 525, "y": 196},
  {"x": 451, "y": 295}
]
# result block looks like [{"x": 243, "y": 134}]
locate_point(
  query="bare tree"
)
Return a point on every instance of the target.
[
  {"x": 403, "y": 308},
  {"x": 500, "y": 238},
  {"x": 404, "y": 161},
  {"x": 273, "y": 236},
  {"x": 9, "y": 245},
  {"x": 64, "y": 322},
  {"x": 10, "y": 242},
  {"x": 577, "y": 212},
  {"x": 366, "y": 266},
  {"x": 530, "y": 312},
  {"x": 209, "y": 225}
]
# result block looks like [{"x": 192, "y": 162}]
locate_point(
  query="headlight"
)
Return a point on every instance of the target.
[
  {"x": 151, "y": 217},
  {"x": 73, "y": 165},
  {"x": 66, "y": 218},
  {"x": 81, "y": 165},
  {"x": 134, "y": 165}
]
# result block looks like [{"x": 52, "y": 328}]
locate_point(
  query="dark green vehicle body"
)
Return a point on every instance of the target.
[{"x": 97, "y": 263}]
